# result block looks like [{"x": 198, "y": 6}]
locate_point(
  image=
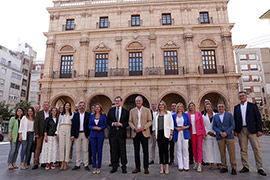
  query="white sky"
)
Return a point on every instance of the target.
[{"x": 26, "y": 20}]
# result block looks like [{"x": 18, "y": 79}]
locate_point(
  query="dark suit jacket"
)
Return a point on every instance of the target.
[
  {"x": 75, "y": 127},
  {"x": 253, "y": 118},
  {"x": 102, "y": 124},
  {"x": 39, "y": 123},
  {"x": 111, "y": 118},
  {"x": 227, "y": 125}
]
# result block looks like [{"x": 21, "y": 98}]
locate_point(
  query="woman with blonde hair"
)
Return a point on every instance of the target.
[
  {"x": 181, "y": 136},
  {"x": 197, "y": 132},
  {"x": 163, "y": 133}
]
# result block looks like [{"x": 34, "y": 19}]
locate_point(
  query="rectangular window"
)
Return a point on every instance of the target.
[
  {"x": 103, "y": 22},
  {"x": 24, "y": 83},
  {"x": 3, "y": 61},
  {"x": 25, "y": 72},
  {"x": 247, "y": 89},
  {"x": 135, "y": 20},
  {"x": 252, "y": 57},
  {"x": 209, "y": 62},
  {"x": 204, "y": 18},
  {"x": 254, "y": 67},
  {"x": 101, "y": 65},
  {"x": 166, "y": 19},
  {"x": 244, "y": 67},
  {"x": 1, "y": 93},
  {"x": 15, "y": 86},
  {"x": 256, "y": 89},
  {"x": 66, "y": 66},
  {"x": 135, "y": 63},
  {"x": 255, "y": 78},
  {"x": 16, "y": 76},
  {"x": 243, "y": 57},
  {"x": 23, "y": 93},
  {"x": 171, "y": 62},
  {"x": 4, "y": 71},
  {"x": 70, "y": 25},
  {"x": 2, "y": 82},
  {"x": 245, "y": 78},
  {"x": 258, "y": 100}
]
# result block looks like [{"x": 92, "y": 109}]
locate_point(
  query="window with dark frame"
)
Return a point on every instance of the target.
[
  {"x": 209, "y": 62},
  {"x": 101, "y": 65},
  {"x": 135, "y": 20},
  {"x": 166, "y": 19},
  {"x": 70, "y": 24},
  {"x": 135, "y": 63},
  {"x": 170, "y": 62},
  {"x": 103, "y": 22},
  {"x": 66, "y": 66},
  {"x": 204, "y": 18}
]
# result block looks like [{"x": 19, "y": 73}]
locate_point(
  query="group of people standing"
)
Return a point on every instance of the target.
[{"x": 198, "y": 136}]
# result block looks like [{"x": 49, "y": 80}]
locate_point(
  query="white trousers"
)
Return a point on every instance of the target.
[
  {"x": 64, "y": 142},
  {"x": 182, "y": 153},
  {"x": 211, "y": 151},
  {"x": 81, "y": 142}
]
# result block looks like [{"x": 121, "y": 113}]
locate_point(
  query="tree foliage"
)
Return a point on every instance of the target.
[
  {"x": 5, "y": 112},
  {"x": 24, "y": 105}
]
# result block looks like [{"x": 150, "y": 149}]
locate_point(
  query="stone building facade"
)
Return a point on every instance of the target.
[{"x": 175, "y": 50}]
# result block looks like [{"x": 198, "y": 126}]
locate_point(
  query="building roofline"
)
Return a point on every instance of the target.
[{"x": 266, "y": 15}]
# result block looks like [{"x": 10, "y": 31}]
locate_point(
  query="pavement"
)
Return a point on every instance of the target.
[{"x": 207, "y": 174}]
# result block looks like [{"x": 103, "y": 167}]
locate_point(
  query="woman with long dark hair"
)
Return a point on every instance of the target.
[
  {"x": 63, "y": 131},
  {"x": 13, "y": 131},
  {"x": 49, "y": 148},
  {"x": 97, "y": 125},
  {"x": 26, "y": 136}
]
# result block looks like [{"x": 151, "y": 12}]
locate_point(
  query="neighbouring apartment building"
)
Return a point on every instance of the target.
[
  {"x": 10, "y": 76},
  {"x": 171, "y": 50},
  {"x": 28, "y": 55},
  {"x": 35, "y": 86},
  {"x": 254, "y": 64}
]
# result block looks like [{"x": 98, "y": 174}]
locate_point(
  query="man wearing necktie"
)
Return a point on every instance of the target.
[{"x": 117, "y": 119}]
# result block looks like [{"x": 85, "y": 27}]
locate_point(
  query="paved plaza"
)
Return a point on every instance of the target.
[{"x": 42, "y": 174}]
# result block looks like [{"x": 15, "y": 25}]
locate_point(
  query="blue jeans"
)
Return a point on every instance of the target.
[
  {"x": 13, "y": 152},
  {"x": 26, "y": 147}
]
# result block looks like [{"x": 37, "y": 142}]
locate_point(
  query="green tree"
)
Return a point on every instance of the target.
[
  {"x": 5, "y": 112},
  {"x": 24, "y": 105}
]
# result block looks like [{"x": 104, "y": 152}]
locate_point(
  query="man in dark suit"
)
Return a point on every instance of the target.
[
  {"x": 117, "y": 119},
  {"x": 223, "y": 125},
  {"x": 80, "y": 135},
  {"x": 39, "y": 131},
  {"x": 248, "y": 126}
]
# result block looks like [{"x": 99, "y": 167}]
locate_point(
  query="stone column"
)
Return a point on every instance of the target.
[
  {"x": 190, "y": 62},
  {"x": 228, "y": 51},
  {"x": 83, "y": 57}
]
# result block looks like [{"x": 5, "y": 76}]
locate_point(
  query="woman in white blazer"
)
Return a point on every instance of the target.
[
  {"x": 163, "y": 133},
  {"x": 26, "y": 136},
  {"x": 211, "y": 151}
]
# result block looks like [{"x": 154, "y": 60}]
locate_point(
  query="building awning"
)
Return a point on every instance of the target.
[{"x": 266, "y": 15}]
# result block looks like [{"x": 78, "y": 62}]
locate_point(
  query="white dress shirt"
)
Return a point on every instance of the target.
[
  {"x": 244, "y": 113},
  {"x": 221, "y": 117},
  {"x": 139, "y": 118},
  {"x": 81, "y": 121},
  {"x": 120, "y": 111},
  {"x": 46, "y": 114},
  {"x": 193, "y": 124}
]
